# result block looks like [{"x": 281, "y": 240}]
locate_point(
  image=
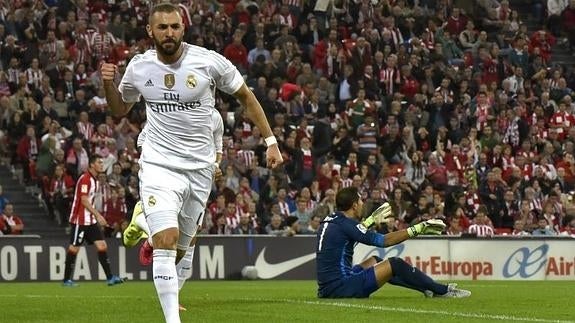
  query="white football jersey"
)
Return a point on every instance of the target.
[
  {"x": 180, "y": 99},
  {"x": 218, "y": 123}
]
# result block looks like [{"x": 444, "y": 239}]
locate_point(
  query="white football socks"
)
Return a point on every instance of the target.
[
  {"x": 166, "y": 282},
  {"x": 184, "y": 267}
]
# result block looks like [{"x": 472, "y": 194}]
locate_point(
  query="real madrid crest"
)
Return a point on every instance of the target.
[
  {"x": 169, "y": 80},
  {"x": 191, "y": 81},
  {"x": 151, "y": 201}
]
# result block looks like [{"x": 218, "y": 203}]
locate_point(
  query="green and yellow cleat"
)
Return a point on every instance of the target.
[{"x": 133, "y": 234}]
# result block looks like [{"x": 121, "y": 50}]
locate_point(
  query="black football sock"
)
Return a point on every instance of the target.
[
  {"x": 397, "y": 281},
  {"x": 105, "y": 262},
  {"x": 70, "y": 264},
  {"x": 411, "y": 277}
]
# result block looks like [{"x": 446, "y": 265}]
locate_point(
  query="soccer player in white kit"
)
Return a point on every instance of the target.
[
  {"x": 178, "y": 82},
  {"x": 138, "y": 228}
]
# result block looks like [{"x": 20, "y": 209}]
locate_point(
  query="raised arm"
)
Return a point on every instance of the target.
[{"x": 115, "y": 99}]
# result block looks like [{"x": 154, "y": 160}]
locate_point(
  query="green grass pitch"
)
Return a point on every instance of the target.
[{"x": 285, "y": 301}]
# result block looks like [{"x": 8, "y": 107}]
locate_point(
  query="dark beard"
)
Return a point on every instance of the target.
[{"x": 167, "y": 51}]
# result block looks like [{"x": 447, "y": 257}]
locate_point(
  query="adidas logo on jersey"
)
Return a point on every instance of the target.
[{"x": 149, "y": 83}]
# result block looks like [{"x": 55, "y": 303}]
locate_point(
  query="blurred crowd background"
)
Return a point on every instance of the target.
[{"x": 451, "y": 109}]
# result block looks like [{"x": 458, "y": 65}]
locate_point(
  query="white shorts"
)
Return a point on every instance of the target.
[{"x": 174, "y": 199}]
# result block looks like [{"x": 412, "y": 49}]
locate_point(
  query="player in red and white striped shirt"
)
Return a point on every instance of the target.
[
  {"x": 84, "y": 219},
  {"x": 480, "y": 227}
]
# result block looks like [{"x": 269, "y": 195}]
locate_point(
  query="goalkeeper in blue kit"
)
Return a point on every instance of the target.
[{"x": 337, "y": 236}]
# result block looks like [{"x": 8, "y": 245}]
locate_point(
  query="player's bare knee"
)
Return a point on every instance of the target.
[
  {"x": 101, "y": 245},
  {"x": 383, "y": 272},
  {"x": 166, "y": 239}
]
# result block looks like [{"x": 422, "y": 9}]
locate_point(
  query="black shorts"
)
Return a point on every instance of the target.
[{"x": 88, "y": 233}]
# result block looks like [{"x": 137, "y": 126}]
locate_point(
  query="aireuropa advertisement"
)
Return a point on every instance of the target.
[{"x": 29, "y": 259}]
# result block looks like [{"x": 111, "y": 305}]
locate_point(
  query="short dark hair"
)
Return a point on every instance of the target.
[
  {"x": 94, "y": 158},
  {"x": 346, "y": 197},
  {"x": 166, "y": 7}
]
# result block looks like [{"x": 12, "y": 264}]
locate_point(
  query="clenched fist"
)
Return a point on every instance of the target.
[{"x": 108, "y": 72}]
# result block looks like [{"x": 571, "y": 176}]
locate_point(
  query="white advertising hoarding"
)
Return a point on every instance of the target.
[{"x": 484, "y": 259}]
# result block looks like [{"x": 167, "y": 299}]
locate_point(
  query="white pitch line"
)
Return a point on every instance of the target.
[
  {"x": 498, "y": 317},
  {"x": 484, "y": 316}
]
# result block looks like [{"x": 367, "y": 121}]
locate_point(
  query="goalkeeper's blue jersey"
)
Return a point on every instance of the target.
[{"x": 336, "y": 238}]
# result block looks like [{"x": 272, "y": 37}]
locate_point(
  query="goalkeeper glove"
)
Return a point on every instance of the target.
[
  {"x": 433, "y": 226},
  {"x": 380, "y": 215}
]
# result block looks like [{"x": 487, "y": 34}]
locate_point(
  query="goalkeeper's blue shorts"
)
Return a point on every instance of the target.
[{"x": 359, "y": 284}]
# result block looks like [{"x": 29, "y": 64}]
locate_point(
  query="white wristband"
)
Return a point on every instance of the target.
[{"x": 271, "y": 140}]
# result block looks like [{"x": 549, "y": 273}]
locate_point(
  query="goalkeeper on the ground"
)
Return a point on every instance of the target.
[{"x": 337, "y": 236}]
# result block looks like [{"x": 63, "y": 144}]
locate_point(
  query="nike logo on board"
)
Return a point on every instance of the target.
[{"x": 266, "y": 270}]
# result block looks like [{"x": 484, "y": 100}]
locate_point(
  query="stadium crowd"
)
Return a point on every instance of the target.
[{"x": 447, "y": 109}]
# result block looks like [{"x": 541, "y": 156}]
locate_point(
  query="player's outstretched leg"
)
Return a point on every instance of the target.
[
  {"x": 137, "y": 229},
  {"x": 408, "y": 276}
]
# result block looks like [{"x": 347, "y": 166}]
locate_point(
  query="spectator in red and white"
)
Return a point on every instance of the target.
[
  {"x": 535, "y": 202},
  {"x": 562, "y": 120},
  {"x": 102, "y": 42},
  {"x": 60, "y": 190},
  {"x": 10, "y": 223},
  {"x": 481, "y": 225},
  {"x": 115, "y": 212},
  {"x": 99, "y": 140},
  {"x": 557, "y": 209},
  {"x": 390, "y": 77},
  {"x": 84, "y": 128},
  {"x": 231, "y": 215},
  {"x": 285, "y": 203}
]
